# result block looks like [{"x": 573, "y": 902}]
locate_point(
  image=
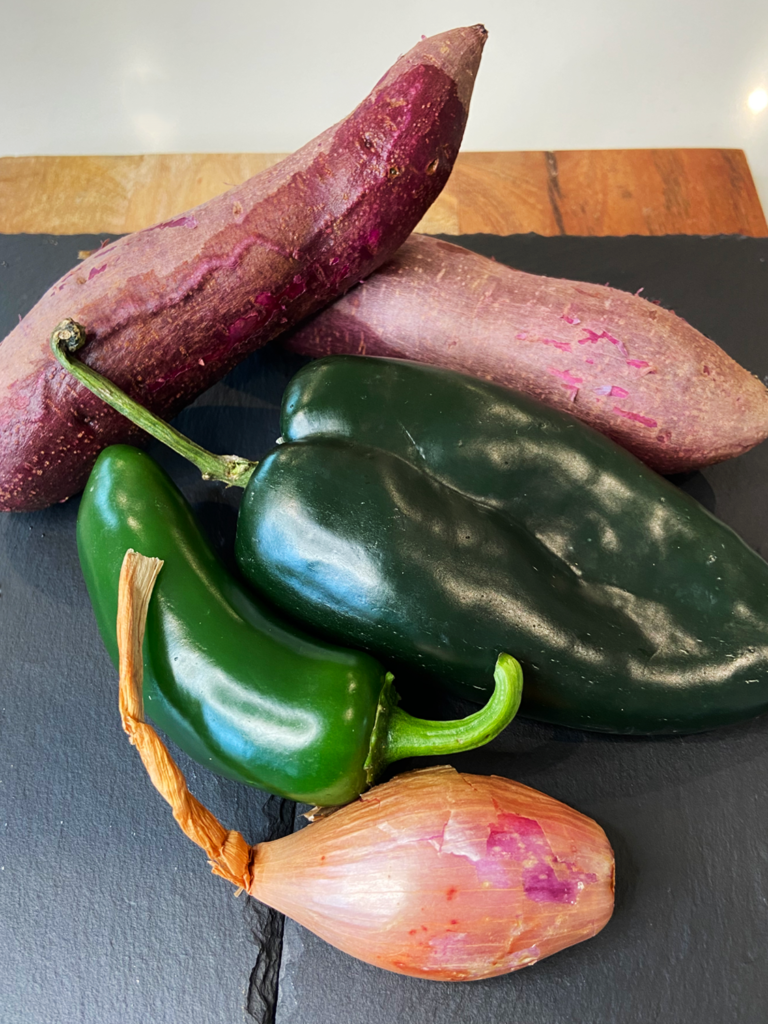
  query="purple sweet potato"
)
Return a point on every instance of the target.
[
  {"x": 170, "y": 309},
  {"x": 629, "y": 368}
]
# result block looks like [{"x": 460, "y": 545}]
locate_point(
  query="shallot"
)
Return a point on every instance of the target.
[{"x": 435, "y": 874}]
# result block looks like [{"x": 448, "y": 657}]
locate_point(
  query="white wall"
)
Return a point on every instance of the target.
[{"x": 132, "y": 76}]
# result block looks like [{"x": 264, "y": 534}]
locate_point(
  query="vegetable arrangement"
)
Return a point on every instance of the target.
[
  {"x": 242, "y": 692},
  {"x": 444, "y": 532},
  {"x": 620, "y": 363},
  {"x": 434, "y": 874},
  {"x": 431, "y": 518},
  {"x": 172, "y": 308}
]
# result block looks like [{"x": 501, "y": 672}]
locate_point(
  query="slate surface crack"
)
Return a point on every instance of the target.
[
  {"x": 261, "y": 998},
  {"x": 267, "y": 927}
]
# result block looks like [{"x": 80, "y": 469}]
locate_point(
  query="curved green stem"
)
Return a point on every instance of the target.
[
  {"x": 69, "y": 337},
  {"x": 396, "y": 734}
]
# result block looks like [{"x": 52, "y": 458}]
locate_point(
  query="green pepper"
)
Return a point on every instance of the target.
[
  {"x": 242, "y": 692},
  {"x": 437, "y": 518}
]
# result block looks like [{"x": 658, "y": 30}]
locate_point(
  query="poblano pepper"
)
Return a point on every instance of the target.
[
  {"x": 436, "y": 518},
  {"x": 242, "y": 692}
]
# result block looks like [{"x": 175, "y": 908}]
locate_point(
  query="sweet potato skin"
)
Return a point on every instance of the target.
[
  {"x": 170, "y": 309},
  {"x": 632, "y": 370}
]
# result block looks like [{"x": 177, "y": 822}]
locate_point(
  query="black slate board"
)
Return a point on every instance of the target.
[{"x": 107, "y": 912}]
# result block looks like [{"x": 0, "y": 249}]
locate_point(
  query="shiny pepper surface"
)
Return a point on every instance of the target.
[
  {"x": 243, "y": 692},
  {"x": 437, "y": 518},
  {"x": 206, "y": 638}
]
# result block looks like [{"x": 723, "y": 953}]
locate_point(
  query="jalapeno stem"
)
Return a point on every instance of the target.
[
  {"x": 69, "y": 337},
  {"x": 396, "y": 734}
]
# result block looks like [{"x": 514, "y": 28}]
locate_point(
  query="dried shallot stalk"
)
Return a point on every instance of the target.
[{"x": 434, "y": 874}]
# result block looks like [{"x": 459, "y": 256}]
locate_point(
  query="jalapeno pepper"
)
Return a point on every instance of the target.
[
  {"x": 465, "y": 518},
  {"x": 242, "y": 692}
]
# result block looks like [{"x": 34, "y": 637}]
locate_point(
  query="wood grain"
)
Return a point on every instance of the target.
[
  {"x": 596, "y": 192},
  {"x": 656, "y": 191}
]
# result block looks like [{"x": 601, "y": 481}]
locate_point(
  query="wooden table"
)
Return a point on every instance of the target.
[{"x": 604, "y": 192}]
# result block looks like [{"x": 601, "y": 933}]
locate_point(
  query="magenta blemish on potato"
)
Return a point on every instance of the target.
[
  {"x": 642, "y": 365},
  {"x": 180, "y": 222},
  {"x": 566, "y": 377},
  {"x": 615, "y": 341},
  {"x": 635, "y": 416},
  {"x": 592, "y": 337},
  {"x": 564, "y": 346}
]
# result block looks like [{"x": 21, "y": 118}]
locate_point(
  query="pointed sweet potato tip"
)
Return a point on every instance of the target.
[{"x": 170, "y": 309}]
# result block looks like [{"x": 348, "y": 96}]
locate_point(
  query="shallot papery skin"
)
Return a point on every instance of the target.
[{"x": 444, "y": 876}]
